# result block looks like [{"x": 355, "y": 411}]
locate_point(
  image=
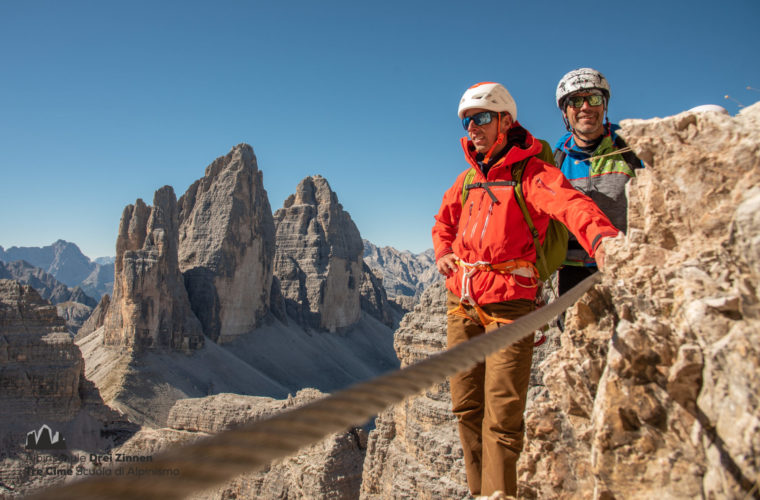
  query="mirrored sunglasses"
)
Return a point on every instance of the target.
[
  {"x": 481, "y": 118},
  {"x": 577, "y": 101}
]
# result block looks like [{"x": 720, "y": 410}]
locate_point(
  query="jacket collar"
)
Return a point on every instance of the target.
[{"x": 568, "y": 145}]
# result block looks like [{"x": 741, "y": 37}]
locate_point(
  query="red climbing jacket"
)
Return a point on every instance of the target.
[{"x": 490, "y": 229}]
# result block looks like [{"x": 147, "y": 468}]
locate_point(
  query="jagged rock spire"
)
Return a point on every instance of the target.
[
  {"x": 227, "y": 245},
  {"x": 149, "y": 307},
  {"x": 319, "y": 257}
]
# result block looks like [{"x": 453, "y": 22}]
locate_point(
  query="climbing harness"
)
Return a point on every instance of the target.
[{"x": 516, "y": 267}]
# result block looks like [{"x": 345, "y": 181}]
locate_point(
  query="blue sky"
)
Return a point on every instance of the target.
[{"x": 104, "y": 102}]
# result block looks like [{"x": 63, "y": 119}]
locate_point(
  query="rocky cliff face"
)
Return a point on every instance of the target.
[
  {"x": 675, "y": 320},
  {"x": 404, "y": 275},
  {"x": 224, "y": 232},
  {"x": 41, "y": 366},
  {"x": 226, "y": 245},
  {"x": 149, "y": 308},
  {"x": 74, "y": 306},
  {"x": 329, "y": 469},
  {"x": 42, "y": 383},
  {"x": 651, "y": 390},
  {"x": 374, "y": 301},
  {"x": 96, "y": 318},
  {"x": 414, "y": 450},
  {"x": 74, "y": 314},
  {"x": 318, "y": 261},
  {"x": 100, "y": 280}
]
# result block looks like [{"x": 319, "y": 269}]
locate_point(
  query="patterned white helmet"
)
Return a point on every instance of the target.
[
  {"x": 582, "y": 79},
  {"x": 489, "y": 96}
]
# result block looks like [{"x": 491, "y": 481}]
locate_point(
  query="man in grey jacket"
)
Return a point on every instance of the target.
[{"x": 594, "y": 159}]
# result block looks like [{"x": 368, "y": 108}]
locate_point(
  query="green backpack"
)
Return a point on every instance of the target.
[{"x": 551, "y": 254}]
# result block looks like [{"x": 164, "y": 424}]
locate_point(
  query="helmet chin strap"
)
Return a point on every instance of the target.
[
  {"x": 605, "y": 128},
  {"x": 499, "y": 140}
]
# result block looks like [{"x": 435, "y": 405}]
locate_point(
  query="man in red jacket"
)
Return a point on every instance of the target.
[{"x": 484, "y": 248}]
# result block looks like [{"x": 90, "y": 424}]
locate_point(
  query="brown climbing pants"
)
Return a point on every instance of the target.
[{"x": 489, "y": 400}]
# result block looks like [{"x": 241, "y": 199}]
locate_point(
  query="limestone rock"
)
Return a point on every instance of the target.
[
  {"x": 46, "y": 285},
  {"x": 329, "y": 469},
  {"x": 404, "y": 275},
  {"x": 42, "y": 384},
  {"x": 215, "y": 413},
  {"x": 374, "y": 300},
  {"x": 74, "y": 306},
  {"x": 277, "y": 302},
  {"x": 41, "y": 365},
  {"x": 744, "y": 233},
  {"x": 96, "y": 319},
  {"x": 414, "y": 449},
  {"x": 318, "y": 260},
  {"x": 78, "y": 295},
  {"x": 145, "y": 387},
  {"x": 149, "y": 308},
  {"x": 651, "y": 393},
  {"x": 227, "y": 245},
  {"x": 100, "y": 280},
  {"x": 74, "y": 314}
]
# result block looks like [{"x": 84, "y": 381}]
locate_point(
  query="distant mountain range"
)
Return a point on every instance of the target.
[
  {"x": 67, "y": 264},
  {"x": 404, "y": 274},
  {"x": 67, "y": 278},
  {"x": 45, "y": 283}
]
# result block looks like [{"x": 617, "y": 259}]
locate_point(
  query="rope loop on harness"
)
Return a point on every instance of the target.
[{"x": 517, "y": 267}]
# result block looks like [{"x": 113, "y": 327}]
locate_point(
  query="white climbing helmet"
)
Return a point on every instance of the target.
[
  {"x": 582, "y": 79},
  {"x": 489, "y": 96}
]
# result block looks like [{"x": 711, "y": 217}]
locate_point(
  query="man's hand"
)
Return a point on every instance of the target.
[
  {"x": 447, "y": 264},
  {"x": 599, "y": 255},
  {"x": 600, "y": 251}
]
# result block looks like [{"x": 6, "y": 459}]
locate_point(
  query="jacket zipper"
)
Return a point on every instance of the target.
[
  {"x": 485, "y": 224},
  {"x": 475, "y": 225},
  {"x": 469, "y": 218}
]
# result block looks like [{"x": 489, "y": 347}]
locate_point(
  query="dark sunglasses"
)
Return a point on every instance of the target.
[
  {"x": 577, "y": 101},
  {"x": 479, "y": 119}
]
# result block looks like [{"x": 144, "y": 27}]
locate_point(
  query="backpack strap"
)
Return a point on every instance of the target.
[
  {"x": 467, "y": 180},
  {"x": 555, "y": 230},
  {"x": 517, "y": 171},
  {"x": 559, "y": 157},
  {"x": 485, "y": 185},
  {"x": 546, "y": 153}
]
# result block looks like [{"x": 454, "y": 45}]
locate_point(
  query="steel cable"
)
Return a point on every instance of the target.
[{"x": 213, "y": 460}]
